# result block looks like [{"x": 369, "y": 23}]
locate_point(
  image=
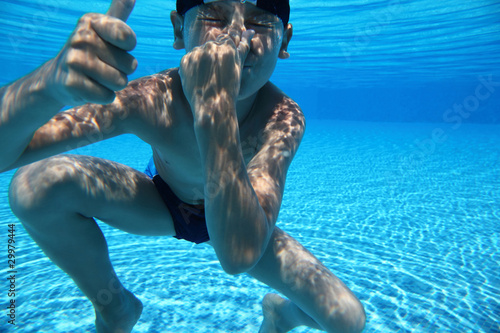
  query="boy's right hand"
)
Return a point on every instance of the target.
[{"x": 94, "y": 62}]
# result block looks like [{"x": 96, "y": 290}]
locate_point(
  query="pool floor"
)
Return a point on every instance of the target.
[{"x": 411, "y": 225}]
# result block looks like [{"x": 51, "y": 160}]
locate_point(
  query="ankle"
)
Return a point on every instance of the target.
[
  {"x": 110, "y": 298},
  {"x": 120, "y": 315}
]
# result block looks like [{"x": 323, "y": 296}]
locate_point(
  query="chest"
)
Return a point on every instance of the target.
[
  {"x": 178, "y": 159},
  {"x": 179, "y": 148}
]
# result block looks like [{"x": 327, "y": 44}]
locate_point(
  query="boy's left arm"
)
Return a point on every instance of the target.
[
  {"x": 242, "y": 202},
  {"x": 268, "y": 168}
]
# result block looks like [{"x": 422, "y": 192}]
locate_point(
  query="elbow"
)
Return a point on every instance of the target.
[
  {"x": 234, "y": 264},
  {"x": 234, "y": 269},
  {"x": 351, "y": 320},
  {"x": 355, "y": 323},
  {"x": 240, "y": 253}
]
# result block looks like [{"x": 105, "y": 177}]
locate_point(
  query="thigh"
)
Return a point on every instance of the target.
[{"x": 93, "y": 187}]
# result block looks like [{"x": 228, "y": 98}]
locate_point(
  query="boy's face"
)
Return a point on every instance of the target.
[{"x": 206, "y": 22}]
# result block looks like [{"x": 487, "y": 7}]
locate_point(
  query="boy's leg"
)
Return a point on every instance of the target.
[
  {"x": 57, "y": 199},
  {"x": 317, "y": 297}
]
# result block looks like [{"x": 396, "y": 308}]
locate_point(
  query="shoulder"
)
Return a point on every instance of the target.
[
  {"x": 152, "y": 99},
  {"x": 281, "y": 126},
  {"x": 157, "y": 85},
  {"x": 278, "y": 141},
  {"x": 286, "y": 116}
]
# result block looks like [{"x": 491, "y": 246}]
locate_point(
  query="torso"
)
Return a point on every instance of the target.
[{"x": 167, "y": 125}]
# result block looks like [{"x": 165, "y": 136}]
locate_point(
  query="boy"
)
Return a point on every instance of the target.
[{"x": 223, "y": 138}]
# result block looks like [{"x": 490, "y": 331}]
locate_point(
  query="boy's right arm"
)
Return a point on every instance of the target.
[{"x": 93, "y": 64}]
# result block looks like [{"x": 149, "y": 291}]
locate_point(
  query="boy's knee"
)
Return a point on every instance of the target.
[
  {"x": 39, "y": 187},
  {"x": 358, "y": 319},
  {"x": 351, "y": 320}
]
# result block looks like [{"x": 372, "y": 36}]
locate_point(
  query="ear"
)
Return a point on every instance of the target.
[
  {"x": 178, "y": 24},
  {"x": 287, "y": 36}
]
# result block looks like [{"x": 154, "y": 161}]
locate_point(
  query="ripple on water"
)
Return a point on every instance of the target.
[{"x": 413, "y": 284}]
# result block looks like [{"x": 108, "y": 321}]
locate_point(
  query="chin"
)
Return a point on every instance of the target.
[
  {"x": 246, "y": 92},
  {"x": 249, "y": 88}
]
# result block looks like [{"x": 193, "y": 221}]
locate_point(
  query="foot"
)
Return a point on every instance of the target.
[
  {"x": 273, "y": 309},
  {"x": 119, "y": 319}
]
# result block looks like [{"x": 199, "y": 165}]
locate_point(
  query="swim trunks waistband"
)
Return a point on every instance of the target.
[{"x": 280, "y": 8}]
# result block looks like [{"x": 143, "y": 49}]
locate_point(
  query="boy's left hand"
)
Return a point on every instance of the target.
[{"x": 211, "y": 73}]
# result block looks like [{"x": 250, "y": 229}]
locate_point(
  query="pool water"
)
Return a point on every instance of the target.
[
  {"x": 416, "y": 240},
  {"x": 396, "y": 186}
]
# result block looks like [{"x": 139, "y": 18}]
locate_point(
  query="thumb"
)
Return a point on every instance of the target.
[{"x": 121, "y": 9}]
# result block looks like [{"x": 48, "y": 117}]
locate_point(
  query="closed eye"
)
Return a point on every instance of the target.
[
  {"x": 212, "y": 20},
  {"x": 263, "y": 21},
  {"x": 261, "y": 24},
  {"x": 262, "y": 27}
]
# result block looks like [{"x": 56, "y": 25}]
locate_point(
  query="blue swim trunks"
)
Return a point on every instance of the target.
[{"x": 189, "y": 220}]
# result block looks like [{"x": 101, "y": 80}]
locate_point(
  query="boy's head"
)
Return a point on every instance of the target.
[
  {"x": 197, "y": 22},
  {"x": 280, "y": 8}
]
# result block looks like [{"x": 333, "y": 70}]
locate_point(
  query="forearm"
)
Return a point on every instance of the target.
[
  {"x": 25, "y": 105},
  {"x": 238, "y": 227}
]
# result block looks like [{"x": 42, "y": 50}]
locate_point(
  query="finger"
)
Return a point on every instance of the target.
[
  {"x": 245, "y": 43},
  {"x": 121, "y": 9},
  {"x": 115, "y": 32},
  {"x": 235, "y": 36},
  {"x": 93, "y": 67},
  {"x": 224, "y": 39},
  {"x": 98, "y": 94},
  {"x": 89, "y": 91},
  {"x": 117, "y": 58},
  {"x": 107, "y": 76}
]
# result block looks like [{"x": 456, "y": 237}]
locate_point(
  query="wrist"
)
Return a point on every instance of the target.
[
  {"x": 45, "y": 84},
  {"x": 33, "y": 102},
  {"x": 216, "y": 129},
  {"x": 212, "y": 110}
]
